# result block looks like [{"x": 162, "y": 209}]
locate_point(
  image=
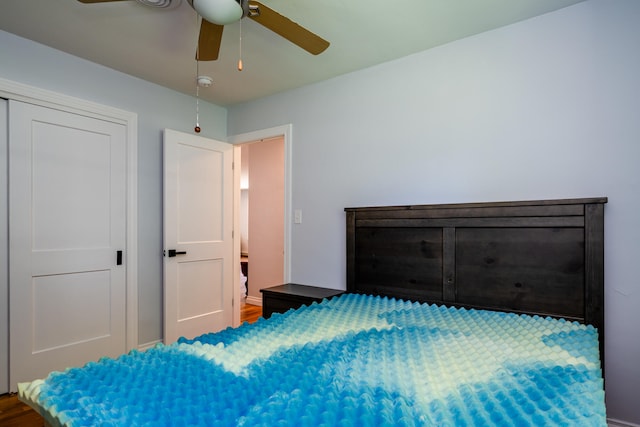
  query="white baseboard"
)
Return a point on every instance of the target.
[
  {"x": 254, "y": 300},
  {"x": 618, "y": 423},
  {"x": 148, "y": 345}
]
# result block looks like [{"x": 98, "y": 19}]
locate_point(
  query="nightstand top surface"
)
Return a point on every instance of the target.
[{"x": 302, "y": 290}]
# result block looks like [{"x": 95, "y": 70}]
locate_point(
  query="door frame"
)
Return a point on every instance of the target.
[
  {"x": 20, "y": 92},
  {"x": 284, "y": 131},
  {"x": 4, "y": 248}
]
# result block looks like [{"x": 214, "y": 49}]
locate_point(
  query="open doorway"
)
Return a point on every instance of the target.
[
  {"x": 264, "y": 205},
  {"x": 262, "y": 216}
]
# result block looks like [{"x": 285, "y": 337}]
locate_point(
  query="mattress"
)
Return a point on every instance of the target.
[{"x": 354, "y": 360}]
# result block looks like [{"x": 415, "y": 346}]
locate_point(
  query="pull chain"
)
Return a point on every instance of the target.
[
  {"x": 240, "y": 48},
  {"x": 197, "y": 128}
]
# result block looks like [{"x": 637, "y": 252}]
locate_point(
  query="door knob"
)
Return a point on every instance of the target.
[{"x": 173, "y": 252}]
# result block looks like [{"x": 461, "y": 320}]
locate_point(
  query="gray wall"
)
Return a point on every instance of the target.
[
  {"x": 546, "y": 108},
  {"x": 157, "y": 108}
]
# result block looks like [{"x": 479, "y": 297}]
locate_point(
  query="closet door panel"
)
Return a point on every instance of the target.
[{"x": 67, "y": 220}]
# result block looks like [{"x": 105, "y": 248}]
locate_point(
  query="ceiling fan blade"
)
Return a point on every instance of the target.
[
  {"x": 288, "y": 29},
  {"x": 98, "y": 1},
  {"x": 209, "y": 41}
]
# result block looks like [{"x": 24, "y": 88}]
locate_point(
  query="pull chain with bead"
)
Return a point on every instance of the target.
[{"x": 197, "y": 128}]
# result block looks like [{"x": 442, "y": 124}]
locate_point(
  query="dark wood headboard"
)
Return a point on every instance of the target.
[{"x": 535, "y": 257}]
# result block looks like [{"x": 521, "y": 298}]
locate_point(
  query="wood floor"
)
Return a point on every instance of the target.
[
  {"x": 14, "y": 413},
  {"x": 250, "y": 313}
]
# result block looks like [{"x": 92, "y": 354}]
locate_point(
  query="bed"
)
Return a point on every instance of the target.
[{"x": 460, "y": 314}]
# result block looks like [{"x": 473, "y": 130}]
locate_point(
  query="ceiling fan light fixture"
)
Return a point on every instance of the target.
[{"x": 221, "y": 12}]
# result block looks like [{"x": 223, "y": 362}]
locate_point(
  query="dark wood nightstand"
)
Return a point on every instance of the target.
[{"x": 279, "y": 299}]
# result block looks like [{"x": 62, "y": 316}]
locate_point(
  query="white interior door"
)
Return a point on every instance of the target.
[
  {"x": 67, "y": 216},
  {"x": 198, "y": 235}
]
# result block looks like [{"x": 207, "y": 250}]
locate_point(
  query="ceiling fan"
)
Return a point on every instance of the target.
[{"x": 218, "y": 13}]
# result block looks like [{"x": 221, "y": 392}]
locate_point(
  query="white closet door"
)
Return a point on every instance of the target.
[{"x": 67, "y": 219}]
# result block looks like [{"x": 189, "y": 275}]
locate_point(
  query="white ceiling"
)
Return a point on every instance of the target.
[{"x": 159, "y": 45}]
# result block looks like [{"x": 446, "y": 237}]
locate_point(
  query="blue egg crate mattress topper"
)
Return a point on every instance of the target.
[{"x": 352, "y": 361}]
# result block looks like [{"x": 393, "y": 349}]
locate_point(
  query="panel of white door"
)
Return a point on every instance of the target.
[
  {"x": 198, "y": 226},
  {"x": 67, "y": 216}
]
